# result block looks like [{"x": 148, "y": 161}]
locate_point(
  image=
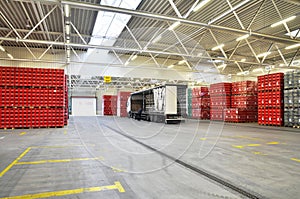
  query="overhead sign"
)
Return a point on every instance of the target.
[{"x": 107, "y": 79}]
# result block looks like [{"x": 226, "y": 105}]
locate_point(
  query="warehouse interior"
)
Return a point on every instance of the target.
[{"x": 149, "y": 99}]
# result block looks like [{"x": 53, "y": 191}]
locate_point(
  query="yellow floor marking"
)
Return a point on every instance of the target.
[
  {"x": 58, "y": 161},
  {"x": 62, "y": 146},
  {"x": 116, "y": 186},
  {"x": 117, "y": 169},
  {"x": 22, "y": 133},
  {"x": 203, "y": 138},
  {"x": 273, "y": 143},
  {"x": 253, "y": 144},
  {"x": 236, "y": 146},
  {"x": 248, "y": 138},
  {"x": 14, "y": 162},
  {"x": 65, "y": 132},
  {"x": 295, "y": 159},
  {"x": 258, "y": 153}
]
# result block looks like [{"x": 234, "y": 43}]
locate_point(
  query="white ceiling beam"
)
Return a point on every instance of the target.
[
  {"x": 279, "y": 14},
  {"x": 42, "y": 55},
  {"x": 175, "y": 9},
  {"x": 16, "y": 32},
  {"x": 89, "y": 6},
  {"x": 281, "y": 55},
  {"x": 78, "y": 33}
]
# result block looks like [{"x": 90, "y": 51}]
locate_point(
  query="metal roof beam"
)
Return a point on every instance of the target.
[{"x": 138, "y": 13}]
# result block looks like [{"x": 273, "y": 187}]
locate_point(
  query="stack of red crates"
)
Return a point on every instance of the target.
[
  {"x": 66, "y": 107},
  {"x": 109, "y": 104},
  {"x": 270, "y": 99},
  {"x": 220, "y": 99},
  {"x": 243, "y": 102},
  {"x": 122, "y": 103},
  {"x": 31, "y": 97},
  {"x": 200, "y": 103}
]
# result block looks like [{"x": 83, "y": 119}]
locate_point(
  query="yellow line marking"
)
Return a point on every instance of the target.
[
  {"x": 253, "y": 144},
  {"x": 236, "y": 146},
  {"x": 61, "y": 146},
  {"x": 273, "y": 143},
  {"x": 203, "y": 138},
  {"x": 22, "y": 133},
  {"x": 295, "y": 159},
  {"x": 258, "y": 153},
  {"x": 65, "y": 132},
  {"x": 14, "y": 162},
  {"x": 248, "y": 138},
  {"x": 59, "y": 161},
  {"x": 116, "y": 186},
  {"x": 117, "y": 169}
]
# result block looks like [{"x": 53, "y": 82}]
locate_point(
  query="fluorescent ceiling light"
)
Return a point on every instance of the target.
[
  {"x": 240, "y": 73},
  {"x": 174, "y": 25},
  {"x": 243, "y": 73},
  {"x": 243, "y": 60},
  {"x": 134, "y": 57},
  {"x": 182, "y": 62},
  {"x": 1, "y": 48},
  {"x": 282, "y": 65},
  {"x": 67, "y": 10},
  {"x": 200, "y": 5},
  {"x": 243, "y": 37},
  {"x": 222, "y": 66},
  {"x": 156, "y": 39},
  {"x": 215, "y": 61},
  {"x": 257, "y": 70},
  {"x": 264, "y": 54},
  {"x": 68, "y": 29},
  {"x": 294, "y": 33},
  {"x": 292, "y": 46},
  {"x": 283, "y": 21},
  {"x": 10, "y": 56},
  {"x": 171, "y": 66},
  {"x": 126, "y": 63},
  {"x": 218, "y": 47}
]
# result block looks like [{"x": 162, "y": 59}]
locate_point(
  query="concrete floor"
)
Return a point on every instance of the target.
[{"x": 90, "y": 159}]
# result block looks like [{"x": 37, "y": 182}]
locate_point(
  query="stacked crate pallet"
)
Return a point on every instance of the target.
[
  {"x": 189, "y": 104},
  {"x": 270, "y": 99},
  {"x": 220, "y": 99},
  {"x": 200, "y": 103},
  {"x": 292, "y": 99},
  {"x": 243, "y": 103},
  {"x": 122, "y": 103},
  {"x": 66, "y": 107},
  {"x": 109, "y": 104},
  {"x": 31, "y": 97}
]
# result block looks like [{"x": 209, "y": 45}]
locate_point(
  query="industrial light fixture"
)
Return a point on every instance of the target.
[
  {"x": 10, "y": 56},
  {"x": 292, "y": 46},
  {"x": 243, "y": 60},
  {"x": 171, "y": 66},
  {"x": 134, "y": 57},
  {"x": 257, "y": 70},
  {"x": 218, "y": 47},
  {"x": 243, "y": 37},
  {"x": 68, "y": 29},
  {"x": 126, "y": 63},
  {"x": 156, "y": 39},
  {"x": 282, "y": 65},
  {"x": 240, "y": 73},
  {"x": 222, "y": 66},
  {"x": 182, "y": 62},
  {"x": 283, "y": 21},
  {"x": 264, "y": 54},
  {"x": 67, "y": 10},
  {"x": 1, "y": 48},
  {"x": 174, "y": 25},
  {"x": 200, "y": 5},
  {"x": 243, "y": 73}
]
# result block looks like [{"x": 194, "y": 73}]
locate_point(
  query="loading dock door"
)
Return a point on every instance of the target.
[{"x": 83, "y": 106}]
